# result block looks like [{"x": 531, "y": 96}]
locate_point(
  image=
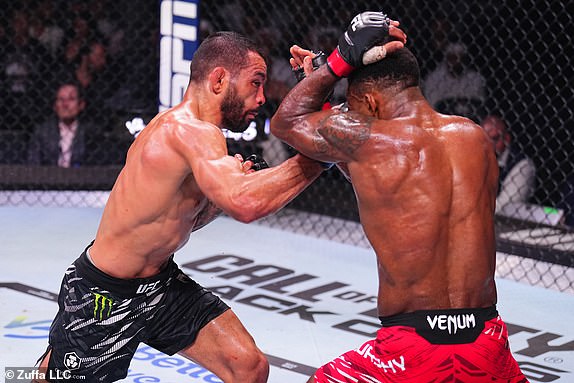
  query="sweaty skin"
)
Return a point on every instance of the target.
[
  {"x": 425, "y": 184},
  {"x": 177, "y": 178},
  {"x": 175, "y": 172}
]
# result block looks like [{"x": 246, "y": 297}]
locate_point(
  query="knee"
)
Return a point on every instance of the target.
[{"x": 251, "y": 367}]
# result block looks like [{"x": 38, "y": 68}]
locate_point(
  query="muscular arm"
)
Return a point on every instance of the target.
[
  {"x": 243, "y": 196},
  {"x": 328, "y": 135}
]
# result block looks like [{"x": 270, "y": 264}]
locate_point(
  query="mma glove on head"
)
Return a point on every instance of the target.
[{"x": 366, "y": 30}]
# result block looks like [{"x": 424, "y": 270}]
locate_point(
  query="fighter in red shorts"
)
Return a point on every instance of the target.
[
  {"x": 431, "y": 346},
  {"x": 426, "y": 186}
]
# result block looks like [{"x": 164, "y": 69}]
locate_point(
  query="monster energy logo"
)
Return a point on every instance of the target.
[{"x": 102, "y": 306}]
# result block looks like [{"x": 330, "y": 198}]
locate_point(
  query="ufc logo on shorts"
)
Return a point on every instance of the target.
[
  {"x": 145, "y": 287},
  {"x": 369, "y": 19}
]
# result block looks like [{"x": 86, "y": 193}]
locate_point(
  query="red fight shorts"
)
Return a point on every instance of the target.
[{"x": 456, "y": 345}]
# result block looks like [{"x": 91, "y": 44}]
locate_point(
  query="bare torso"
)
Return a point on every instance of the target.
[
  {"x": 426, "y": 202},
  {"x": 151, "y": 210}
]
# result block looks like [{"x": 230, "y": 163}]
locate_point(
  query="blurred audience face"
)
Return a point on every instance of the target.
[
  {"x": 68, "y": 104},
  {"x": 20, "y": 22},
  {"x": 455, "y": 57},
  {"x": 495, "y": 129},
  {"x": 97, "y": 57}
]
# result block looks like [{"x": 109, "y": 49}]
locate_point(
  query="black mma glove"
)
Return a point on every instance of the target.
[
  {"x": 258, "y": 162},
  {"x": 319, "y": 59},
  {"x": 366, "y": 30}
]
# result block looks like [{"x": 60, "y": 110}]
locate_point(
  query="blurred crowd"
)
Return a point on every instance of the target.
[
  {"x": 47, "y": 44},
  {"x": 72, "y": 72}
]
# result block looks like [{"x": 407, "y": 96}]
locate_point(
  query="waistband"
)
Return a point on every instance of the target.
[
  {"x": 123, "y": 287},
  {"x": 448, "y": 326}
]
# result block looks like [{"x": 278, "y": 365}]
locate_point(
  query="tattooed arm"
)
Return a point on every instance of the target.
[{"x": 328, "y": 135}]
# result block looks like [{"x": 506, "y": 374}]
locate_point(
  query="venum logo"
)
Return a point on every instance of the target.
[
  {"x": 451, "y": 323},
  {"x": 102, "y": 306}
]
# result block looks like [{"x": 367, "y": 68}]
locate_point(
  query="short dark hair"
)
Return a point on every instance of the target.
[
  {"x": 222, "y": 49},
  {"x": 399, "y": 69}
]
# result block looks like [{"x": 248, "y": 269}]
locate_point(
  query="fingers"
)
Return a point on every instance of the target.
[
  {"x": 245, "y": 165},
  {"x": 293, "y": 63},
  {"x": 307, "y": 65},
  {"x": 299, "y": 57},
  {"x": 393, "y": 46},
  {"x": 397, "y": 34}
]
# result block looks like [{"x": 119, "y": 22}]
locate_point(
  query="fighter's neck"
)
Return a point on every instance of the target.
[
  {"x": 406, "y": 102},
  {"x": 201, "y": 106}
]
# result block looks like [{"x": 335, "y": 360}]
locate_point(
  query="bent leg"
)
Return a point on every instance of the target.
[{"x": 224, "y": 347}]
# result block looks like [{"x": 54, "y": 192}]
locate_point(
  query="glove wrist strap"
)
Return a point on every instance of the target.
[{"x": 337, "y": 64}]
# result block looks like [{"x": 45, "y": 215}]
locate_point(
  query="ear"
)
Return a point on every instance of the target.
[
  {"x": 218, "y": 79},
  {"x": 372, "y": 104}
]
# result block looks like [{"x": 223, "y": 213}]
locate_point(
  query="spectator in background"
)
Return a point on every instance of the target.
[
  {"x": 78, "y": 36},
  {"x": 100, "y": 81},
  {"x": 76, "y": 39},
  {"x": 454, "y": 88},
  {"x": 43, "y": 27},
  {"x": 517, "y": 174},
  {"x": 62, "y": 139},
  {"x": 441, "y": 32},
  {"x": 22, "y": 61},
  {"x": 106, "y": 25}
]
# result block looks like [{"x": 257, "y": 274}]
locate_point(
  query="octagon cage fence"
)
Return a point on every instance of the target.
[{"x": 507, "y": 61}]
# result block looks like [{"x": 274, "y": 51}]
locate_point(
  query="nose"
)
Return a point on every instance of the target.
[{"x": 260, "y": 99}]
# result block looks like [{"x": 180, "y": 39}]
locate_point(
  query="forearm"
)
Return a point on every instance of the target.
[
  {"x": 306, "y": 98},
  {"x": 268, "y": 190}
]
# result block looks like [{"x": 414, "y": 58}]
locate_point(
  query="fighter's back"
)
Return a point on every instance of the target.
[{"x": 426, "y": 201}]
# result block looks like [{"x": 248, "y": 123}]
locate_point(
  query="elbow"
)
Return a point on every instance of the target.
[
  {"x": 246, "y": 209},
  {"x": 276, "y": 126},
  {"x": 281, "y": 125}
]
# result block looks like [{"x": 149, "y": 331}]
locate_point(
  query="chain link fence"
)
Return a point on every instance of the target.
[{"x": 506, "y": 65}]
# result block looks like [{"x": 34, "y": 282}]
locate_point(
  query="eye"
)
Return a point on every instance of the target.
[{"x": 257, "y": 83}]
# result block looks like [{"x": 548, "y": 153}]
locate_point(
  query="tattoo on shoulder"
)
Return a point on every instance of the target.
[{"x": 344, "y": 131}]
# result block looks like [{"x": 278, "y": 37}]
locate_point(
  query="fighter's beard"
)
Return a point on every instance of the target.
[{"x": 232, "y": 112}]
